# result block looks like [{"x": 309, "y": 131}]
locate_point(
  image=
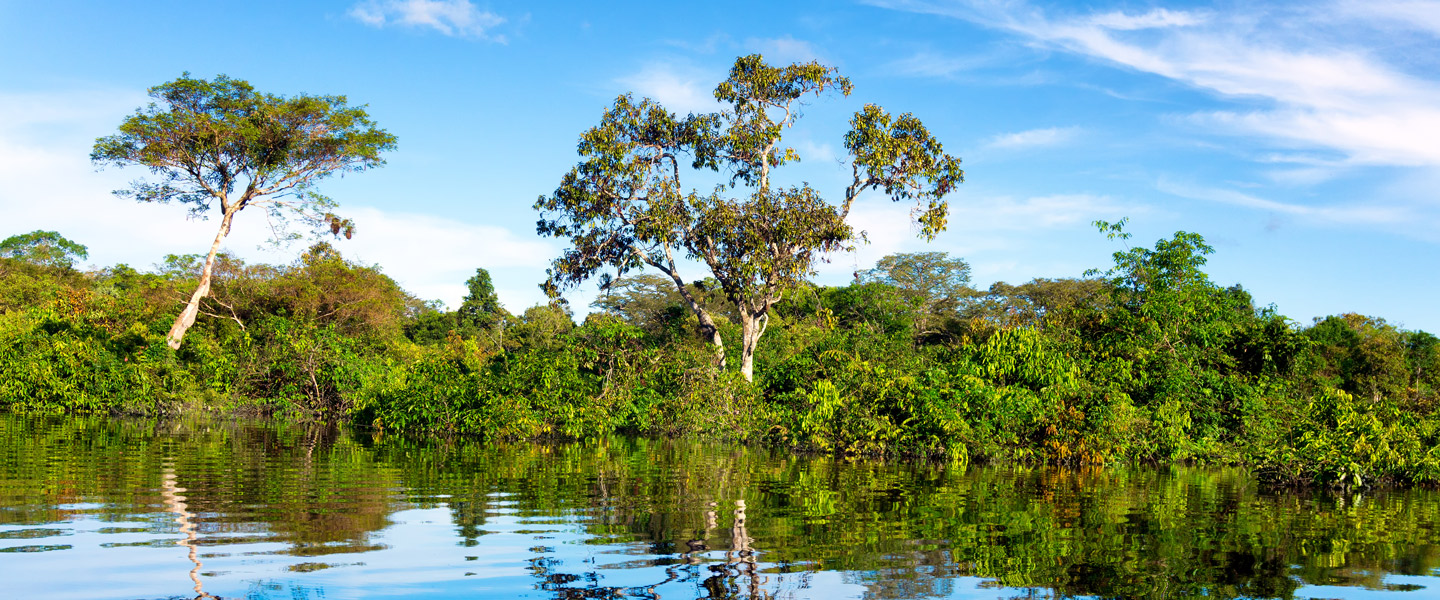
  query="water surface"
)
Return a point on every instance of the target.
[{"x": 101, "y": 508}]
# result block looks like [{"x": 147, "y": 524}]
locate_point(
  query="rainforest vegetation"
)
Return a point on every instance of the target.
[{"x": 1144, "y": 359}]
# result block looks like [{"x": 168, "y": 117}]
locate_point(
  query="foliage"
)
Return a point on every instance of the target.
[
  {"x": 651, "y": 302},
  {"x": 1345, "y": 442},
  {"x": 480, "y": 310},
  {"x": 203, "y": 139},
  {"x": 43, "y": 248},
  {"x": 936, "y": 283},
  {"x": 1152, "y": 362}
]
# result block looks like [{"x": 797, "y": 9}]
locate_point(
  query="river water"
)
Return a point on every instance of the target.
[{"x": 104, "y": 508}]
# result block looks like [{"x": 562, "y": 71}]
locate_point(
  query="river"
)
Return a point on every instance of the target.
[{"x": 109, "y": 508}]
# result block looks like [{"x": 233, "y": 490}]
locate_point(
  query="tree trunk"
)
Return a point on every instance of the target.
[
  {"x": 707, "y": 328},
  {"x": 752, "y": 326},
  {"x": 187, "y": 316}
]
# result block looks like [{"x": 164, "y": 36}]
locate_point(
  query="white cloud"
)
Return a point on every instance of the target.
[
  {"x": 1421, "y": 15},
  {"x": 1035, "y": 138},
  {"x": 1043, "y": 212},
  {"x": 459, "y": 18},
  {"x": 783, "y": 50},
  {"x": 682, "y": 87},
  {"x": 1154, "y": 19},
  {"x": 986, "y": 226},
  {"x": 1405, "y": 137},
  {"x": 1396, "y": 217},
  {"x": 432, "y": 257},
  {"x": 817, "y": 153},
  {"x": 679, "y": 89},
  {"x": 1328, "y": 87},
  {"x": 706, "y": 46},
  {"x": 930, "y": 64}
]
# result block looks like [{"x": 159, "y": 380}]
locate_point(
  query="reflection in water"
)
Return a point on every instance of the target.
[
  {"x": 290, "y": 512},
  {"x": 175, "y": 503}
]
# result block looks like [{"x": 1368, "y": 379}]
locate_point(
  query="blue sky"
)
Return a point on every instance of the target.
[{"x": 1302, "y": 140}]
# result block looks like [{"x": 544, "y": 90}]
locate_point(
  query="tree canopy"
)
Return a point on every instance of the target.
[
  {"x": 220, "y": 143},
  {"x": 480, "y": 308},
  {"x": 44, "y": 248},
  {"x": 934, "y": 281}
]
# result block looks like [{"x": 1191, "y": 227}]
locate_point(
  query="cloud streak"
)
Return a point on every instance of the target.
[
  {"x": 782, "y": 50},
  {"x": 1398, "y": 217},
  {"x": 678, "y": 88},
  {"x": 456, "y": 18},
  {"x": 1035, "y": 138},
  {"x": 992, "y": 227},
  {"x": 1327, "y": 86}
]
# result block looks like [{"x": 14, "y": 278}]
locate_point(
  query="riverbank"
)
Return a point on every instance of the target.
[{"x": 1147, "y": 364}]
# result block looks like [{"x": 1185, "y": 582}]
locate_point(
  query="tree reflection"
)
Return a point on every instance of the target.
[
  {"x": 907, "y": 530},
  {"x": 175, "y": 503},
  {"x": 705, "y": 521}
]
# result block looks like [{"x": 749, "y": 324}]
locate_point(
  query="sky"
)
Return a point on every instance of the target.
[{"x": 1302, "y": 140}]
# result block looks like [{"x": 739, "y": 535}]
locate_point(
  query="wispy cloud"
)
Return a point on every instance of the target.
[
  {"x": 432, "y": 257},
  {"x": 1397, "y": 217},
  {"x": 782, "y": 50},
  {"x": 677, "y": 87},
  {"x": 931, "y": 64},
  {"x": 1034, "y": 138},
  {"x": 1325, "y": 88},
  {"x": 1154, "y": 19},
  {"x": 1419, "y": 15},
  {"x": 681, "y": 85},
  {"x": 817, "y": 152},
  {"x": 709, "y": 45},
  {"x": 458, "y": 18},
  {"x": 991, "y": 226},
  {"x": 1042, "y": 212}
]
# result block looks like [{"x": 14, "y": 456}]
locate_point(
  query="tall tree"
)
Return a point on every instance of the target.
[
  {"x": 44, "y": 248},
  {"x": 481, "y": 307},
  {"x": 222, "y": 144},
  {"x": 625, "y": 206}
]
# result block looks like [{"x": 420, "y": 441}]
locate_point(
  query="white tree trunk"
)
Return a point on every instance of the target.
[
  {"x": 752, "y": 326},
  {"x": 192, "y": 309}
]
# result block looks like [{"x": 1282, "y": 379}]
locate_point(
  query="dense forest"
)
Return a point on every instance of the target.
[{"x": 1145, "y": 360}]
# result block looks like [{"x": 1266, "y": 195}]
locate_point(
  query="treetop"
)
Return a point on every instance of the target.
[
  {"x": 46, "y": 248},
  {"x": 206, "y": 138}
]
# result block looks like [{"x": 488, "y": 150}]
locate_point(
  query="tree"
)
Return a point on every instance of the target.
[
  {"x": 1365, "y": 354},
  {"x": 650, "y": 301},
  {"x": 539, "y": 327},
  {"x": 222, "y": 143},
  {"x": 1041, "y": 302},
  {"x": 934, "y": 281},
  {"x": 44, "y": 248},
  {"x": 625, "y": 207},
  {"x": 481, "y": 307}
]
